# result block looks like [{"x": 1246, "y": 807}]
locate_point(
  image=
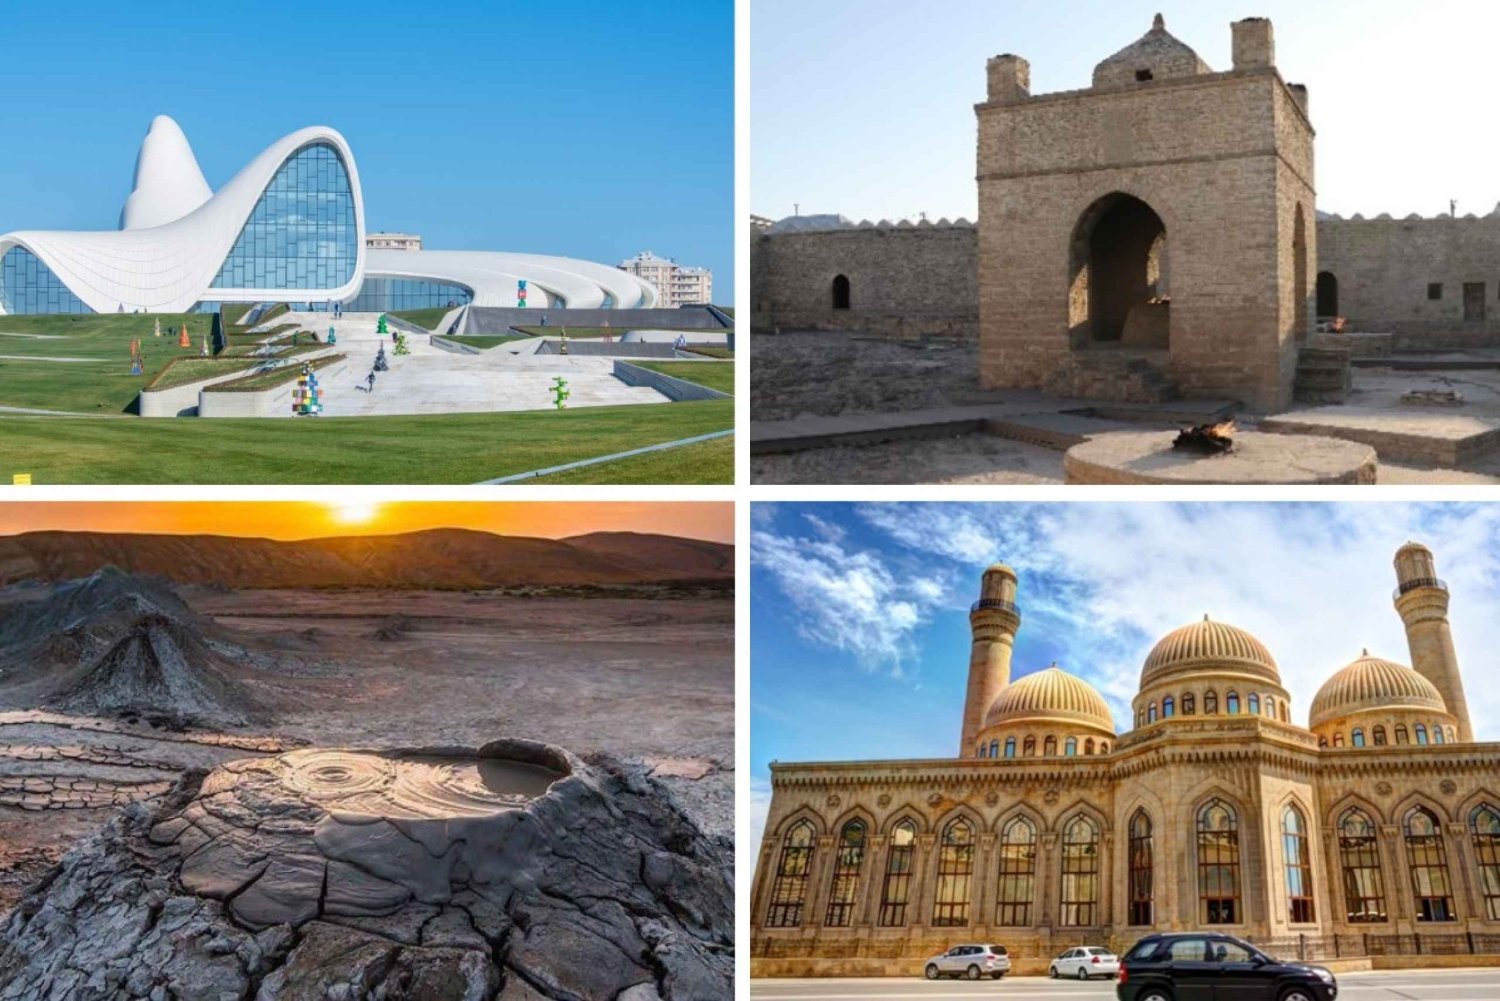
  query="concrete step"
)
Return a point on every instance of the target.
[
  {"x": 1166, "y": 412},
  {"x": 1056, "y": 431}
]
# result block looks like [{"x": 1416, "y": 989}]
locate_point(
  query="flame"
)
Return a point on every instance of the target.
[{"x": 1223, "y": 429}]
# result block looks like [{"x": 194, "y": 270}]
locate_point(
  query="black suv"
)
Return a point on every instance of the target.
[{"x": 1205, "y": 966}]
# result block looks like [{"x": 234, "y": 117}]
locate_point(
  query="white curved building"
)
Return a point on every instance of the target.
[{"x": 289, "y": 227}]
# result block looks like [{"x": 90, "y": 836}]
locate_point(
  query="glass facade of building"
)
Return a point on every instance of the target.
[
  {"x": 29, "y": 286},
  {"x": 302, "y": 233},
  {"x": 385, "y": 295}
]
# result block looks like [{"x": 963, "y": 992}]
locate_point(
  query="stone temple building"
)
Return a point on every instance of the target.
[
  {"x": 1372, "y": 831},
  {"x": 1155, "y": 229}
]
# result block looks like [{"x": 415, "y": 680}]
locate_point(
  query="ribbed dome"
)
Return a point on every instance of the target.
[
  {"x": 1374, "y": 683},
  {"x": 1209, "y": 645},
  {"x": 1050, "y": 694},
  {"x": 1156, "y": 55}
]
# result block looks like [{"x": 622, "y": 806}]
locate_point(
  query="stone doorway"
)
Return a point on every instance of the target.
[
  {"x": 1118, "y": 295},
  {"x": 1328, "y": 294},
  {"x": 840, "y": 292},
  {"x": 1473, "y": 302}
]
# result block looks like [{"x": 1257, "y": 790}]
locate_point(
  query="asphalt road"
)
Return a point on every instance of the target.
[{"x": 1386, "y": 985}]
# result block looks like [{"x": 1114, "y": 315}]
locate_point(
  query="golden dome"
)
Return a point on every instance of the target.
[
  {"x": 1210, "y": 646},
  {"x": 1000, "y": 568},
  {"x": 1050, "y": 694},
  {"x": 1373, "y": 683}
]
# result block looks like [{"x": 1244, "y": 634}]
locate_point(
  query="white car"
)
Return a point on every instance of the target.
[
  {"x": 1085, "y": 962},
  {"x": 972, "y": 961}
]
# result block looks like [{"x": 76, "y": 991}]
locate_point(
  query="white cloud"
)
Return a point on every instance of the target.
[
  {"x": 847, "y": 599},
  {"x": 1311, "y": 581}
]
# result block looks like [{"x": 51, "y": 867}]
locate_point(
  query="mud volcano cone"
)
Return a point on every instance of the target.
[{"x": 515, "y": 872}]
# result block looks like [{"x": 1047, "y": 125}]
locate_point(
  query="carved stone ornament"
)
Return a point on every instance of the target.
[
  {"x": 883, "y": 800},
  {"x": 1383, "y": 788},
  {"x": 833, "y": 802},
  {"x": 992, "y": 799},
  {"x": 933, "y": 799},
  {"x": 1449, "y": 787}
]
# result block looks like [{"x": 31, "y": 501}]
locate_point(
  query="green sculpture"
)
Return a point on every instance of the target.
[
  {"x": 560, "y": 393},
  {"x": 380, "y": 327}
]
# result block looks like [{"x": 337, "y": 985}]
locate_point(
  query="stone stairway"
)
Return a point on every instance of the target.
[
  {"x": 1117, "y": 377},
  {"x": 1324, "y": 374}
]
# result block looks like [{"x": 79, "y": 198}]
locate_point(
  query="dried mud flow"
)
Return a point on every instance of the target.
[
  {"x": 179, "y": 818},
  {"x": 516, "y": 871}
]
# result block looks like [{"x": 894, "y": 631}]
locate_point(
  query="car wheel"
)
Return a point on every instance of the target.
[
  {"x": 931, "y": 971},
  {"x": 1083, "y": 973},
  {"x": 972, "y": 972},
  {"x": 1296, "y": 994},
  {"x": 1154, "y": 995},
  {"x": 1052, "y": 972}
]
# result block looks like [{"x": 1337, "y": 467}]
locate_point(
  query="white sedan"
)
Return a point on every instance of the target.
[{"x": 1085, "y": 962}]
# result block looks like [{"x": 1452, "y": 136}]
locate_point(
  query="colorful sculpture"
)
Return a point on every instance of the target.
[
  {"x": 381, "y": 364},
  {"x": 203, "y": 351},
  {"x": 158, "y": 327},
  {"x": 332, "y": 337},
  {"x": 560, "y": 393},
  {"x": 307, "y": 398},
  {"x": 137, "y": 360},
  {"x": 402, "y": 348},
  {"x": 183, "y": 341},
  {"x": 380, "y": 327}
]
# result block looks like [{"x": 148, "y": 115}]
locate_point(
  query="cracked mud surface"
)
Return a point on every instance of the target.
[
  {"x": 642, "y": 684},
  {"x": 514, "y": 872}
]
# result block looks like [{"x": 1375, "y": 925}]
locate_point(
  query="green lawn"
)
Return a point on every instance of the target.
[
  {"x": 427, "y": 319},
  {"x": 582, "y": 333},
  {"x": 272, "y": 378},
  {"x": 712, "y": 352},
  {"x": 101, "y": 385},
  {"x": 186, "y": 370},
  {"x": 709, "y": 461},
  {"x": 713, "y": 374},
  {"x": 439, "y": 448}
]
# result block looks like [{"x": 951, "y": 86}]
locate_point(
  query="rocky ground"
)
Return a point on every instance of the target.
[
  {"x": 641, "y": 684},
  {"x": 516, "y": 871}
]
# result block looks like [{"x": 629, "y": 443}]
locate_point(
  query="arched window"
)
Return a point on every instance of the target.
[
  {"x": 1103, "y": 747},
  {"x": 1284, "y": 717},
  {"x": 1017, "y": 873},
  {"x": 1141, "y": 865},
  {"x": 1010, "y": 747},
  {"x": 1218, "y": 863},
  {"x": 1140, "y": 718},
  {"x": 950, "y": 907},
  {"x": 1379, "y": 734},
  {"x": 840, "y": 292},
  {"x": 1271, "y": 706},
  {"x": 1427, "y": 860},
  {"x": 995, "y": 749},
  {"x": 1338, "y": 739},
  {"x": 1401, "y": 733},
  {"x": 790, "y": 887},
  {"x": 1364, "y": 884},
  {"x": 846, "y": 866},
  {"x": 1151, "y": 713},
  {"x": 1254, "y": 702},
  {"x": 1070, "y": 746},
  {"x": 1088, "y": 746},
  {"x": 1232, "y": 703},
  {"x": 980, "y": 752},
  {"x": 1452, "y": 735},
  {"x": 1187, "y": 704},
  {"x": 1421, "y": 731},
  {"x": 1210, "y": 704},
  {"x": 1049, "y": 746},
  {"x": 1298, "y": 861},
  {"x": 1028, "y": 747},
  {"x": 1437, "y": 733},
  {"x": 898, "y": 868},
  {"x": 1168, "y": 707},
  {"x": 1484, "y": 825},
  {"x": 1327, "y": 294},
  {"x": 1322, "y": 741},
  {"x": 1357, "y": 737},
  {"x": 1080, "y": 873}
]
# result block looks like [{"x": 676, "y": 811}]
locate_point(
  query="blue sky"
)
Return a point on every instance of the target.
[
  {"x": 589, "y": 129},
  {"x": 865, "y": 107},
  {"x": 859, "y": 637}
]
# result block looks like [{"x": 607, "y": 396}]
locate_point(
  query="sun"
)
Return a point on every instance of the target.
[{"x": 355, "y": 512}]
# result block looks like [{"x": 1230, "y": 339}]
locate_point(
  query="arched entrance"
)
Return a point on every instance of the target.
[
  {"x": 840, "y": 292},
  {"x": 1118, "y": 271},
  {"x": 1328, "y": 294}
]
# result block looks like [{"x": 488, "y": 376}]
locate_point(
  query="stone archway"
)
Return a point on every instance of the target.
[
  {"x": 1118, "y": 270},
  {"x": 840, "y": 292},
  {"x": 1328, "y": 294}
]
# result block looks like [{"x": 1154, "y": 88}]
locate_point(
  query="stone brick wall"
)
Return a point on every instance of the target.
[
  {"x": 905, "y": 280},
  {"x": 1383, "y": 267}
]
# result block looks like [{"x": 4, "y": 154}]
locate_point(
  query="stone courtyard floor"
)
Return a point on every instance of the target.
[{"x": 802, "y": 378}]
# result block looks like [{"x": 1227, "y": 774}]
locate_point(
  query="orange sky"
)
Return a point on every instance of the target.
[{"x": 302, "y": 520}]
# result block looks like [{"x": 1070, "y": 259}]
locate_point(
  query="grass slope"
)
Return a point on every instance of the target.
[
  {"x": 713, "y": 374},
  {"x": 439, "y": 448},
  {"x": 427, "y": 319},
  {"x": 101, "y": 385},
  {"x": 710, "y": 462}
]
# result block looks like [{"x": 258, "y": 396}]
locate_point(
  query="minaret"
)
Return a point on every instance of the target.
[
  {"x": 994, "y": 620},
  {"x": 1422, "y": 601}
]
